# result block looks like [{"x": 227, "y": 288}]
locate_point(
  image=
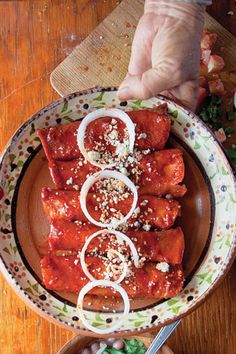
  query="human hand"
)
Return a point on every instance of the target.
[{"x": 166, "y": 53}]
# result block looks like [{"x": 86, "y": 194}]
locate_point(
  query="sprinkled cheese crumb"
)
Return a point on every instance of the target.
[
  {"x": 113, "y": 135},
  {"x": 76, "y": 261},
  {"x": 69, "y": 181},
  {"x": 94, "y": 155},
  {"x": 113, "y": 121},
  {"x": 163, "y": 267},
  {"x": 122, "y": 150},
  {"x": 146, "y": 152},
  {"x": 137, "y": 210},
  {"x": 146, "y": 227},
  {"x": 142, "y": 136},
  {"x": 124, "y": 171},
  {"x": 144, "y": 202}
]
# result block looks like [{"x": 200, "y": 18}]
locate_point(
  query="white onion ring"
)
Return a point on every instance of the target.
[
  {"x": 118, "y": 235},
  {"x": 101, "y": 113},
  {"x": 84, "y": 265},
  {"x": 106, "y": 283},
  {"x": 101, "y": 175}
]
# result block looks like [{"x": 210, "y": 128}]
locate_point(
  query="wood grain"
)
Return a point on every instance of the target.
[
  {"x": 102, "y": 58},
  {"x": 35, "y": 37}
]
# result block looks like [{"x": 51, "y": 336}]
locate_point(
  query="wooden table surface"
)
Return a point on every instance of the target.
[{"x": 35, "y": 36}]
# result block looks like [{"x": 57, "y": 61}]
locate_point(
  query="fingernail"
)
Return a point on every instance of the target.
[{"x": 124, "y": 93}]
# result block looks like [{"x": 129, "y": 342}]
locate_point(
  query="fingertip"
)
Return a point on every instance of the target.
[{"x": 124, "y": 93}]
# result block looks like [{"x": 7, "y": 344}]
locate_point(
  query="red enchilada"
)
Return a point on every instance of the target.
[
  {"x": 65, "y": 273},
  {"x": 153, "y": 211},
  {"x": 151, "y": 130},
  {"x": 161, "y": 246},
  {"x": 149, "y": 253}
]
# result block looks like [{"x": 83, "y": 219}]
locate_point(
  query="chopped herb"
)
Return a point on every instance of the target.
[
  {"x": 232, "y": 155},
  {"x": 228, "y": 130},
  {"x": 113, "y": 351},
  {"x": 211, "y": 112},
  {"x": 134, "y": 347},
  {"x": 230, "y": 116}
]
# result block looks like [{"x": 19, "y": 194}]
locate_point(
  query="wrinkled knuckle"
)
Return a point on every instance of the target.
[
  {"x": 145, "y": 92},
  {"x": 146, "y": 19},
  {"x": 148, "y": 86},
  {"x": 177, "y": 72}
]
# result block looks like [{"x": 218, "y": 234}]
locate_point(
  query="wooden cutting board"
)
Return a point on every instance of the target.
[{"x": 102, "y": 58}]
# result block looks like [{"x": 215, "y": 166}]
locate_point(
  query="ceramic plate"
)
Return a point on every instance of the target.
[{"x": 208, "y": 215}]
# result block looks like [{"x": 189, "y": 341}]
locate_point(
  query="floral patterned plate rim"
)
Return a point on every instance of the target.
[{"x": 221, "y": 251}]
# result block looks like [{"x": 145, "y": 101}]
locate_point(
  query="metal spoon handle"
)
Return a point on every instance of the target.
[{"x": 161, "y": 337}]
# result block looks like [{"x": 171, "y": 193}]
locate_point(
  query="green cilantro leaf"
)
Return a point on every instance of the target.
[
  {"x": 211, "y": 112},
  {"x": 133, "y": 346},
  {"x": 232, "y": 155},
  {"x": 114, "y": 351}
]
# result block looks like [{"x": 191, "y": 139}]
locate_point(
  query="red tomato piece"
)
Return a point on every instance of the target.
[
  {"x": 205, "y": 56},
  {"x": 202, "y": 81},
  {"x": 220, "y": 135},
  {"x": 201, "y": 97},
  {"x": 203, "y": 69},
  {"x": 208, "y": 40},
  {"x": 216, "y": 87},
  {"x": 215, "y": 64}
]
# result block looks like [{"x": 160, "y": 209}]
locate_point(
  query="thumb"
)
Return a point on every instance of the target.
[
  {"x": 186, "y": 94},
  {"x": 146, "y": 85}
]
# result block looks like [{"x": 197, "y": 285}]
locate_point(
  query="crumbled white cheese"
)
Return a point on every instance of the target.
[
  {"x": 113, "y": 121},
  {"x": 142, "y": 136},
  {"x": 122, "y": 150},
  {"x": 94, "y": 155},
  {"x": 124, "y": 171},
  {"x": 136, "y": 224},
  {"x": 146, "y": 227},
  {"x": 130, "y": 159},
  {"x": 163, "y": 267},
  {"x": 137, "y": 210},
  {"x": 69, "y": 181},
  {"x": 113, "y": 135}
]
